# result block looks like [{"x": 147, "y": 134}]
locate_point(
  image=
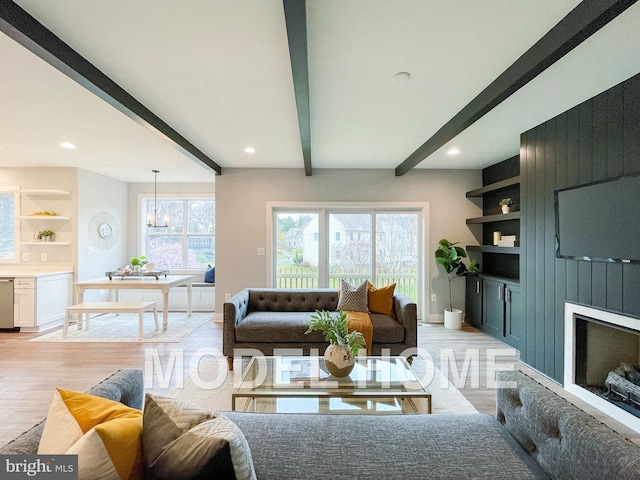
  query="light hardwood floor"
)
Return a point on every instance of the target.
[{"x": 30, "y": 371}]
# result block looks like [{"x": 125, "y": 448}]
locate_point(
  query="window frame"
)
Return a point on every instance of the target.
[
  {"x": 17, "y": 232},
  {"x": 323, "y": 209},
  {"x": 142, "y": 228}
]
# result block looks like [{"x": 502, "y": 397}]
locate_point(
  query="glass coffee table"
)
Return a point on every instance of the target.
[{"x": 377, "y": 385}]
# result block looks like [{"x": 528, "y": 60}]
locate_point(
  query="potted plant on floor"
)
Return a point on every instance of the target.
[
  {"x": 451, "y": 258},
  {"x": 340, "y": 355}
]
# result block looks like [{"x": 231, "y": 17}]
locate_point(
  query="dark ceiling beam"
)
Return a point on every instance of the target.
[
  {"x": 31, "y": 34},
  {"x": 582, "y": 22},
  {"x": 295, "y": 14}
]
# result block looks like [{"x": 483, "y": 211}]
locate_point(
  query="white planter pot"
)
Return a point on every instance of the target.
[
  {"x": 453, "y": 319},
  {"x": 506, "y": 208}
]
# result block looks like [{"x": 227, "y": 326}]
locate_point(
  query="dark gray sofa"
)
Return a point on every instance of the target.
[
  {"x": 265, "y": 319},
  {"x": 536, "y": 434}
]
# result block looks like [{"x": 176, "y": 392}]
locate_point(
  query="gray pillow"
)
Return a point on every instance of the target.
[
  {"x": 355, "y": 299},
  {"x": 183, "y": 441}
]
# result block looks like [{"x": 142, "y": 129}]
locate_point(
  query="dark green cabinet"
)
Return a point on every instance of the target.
[
  {"x": 502, "y": 311},
  {"x": 473, "y": 301}
]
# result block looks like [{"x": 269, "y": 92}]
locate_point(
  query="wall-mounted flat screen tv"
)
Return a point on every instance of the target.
[{"x": 599, "y": 221}]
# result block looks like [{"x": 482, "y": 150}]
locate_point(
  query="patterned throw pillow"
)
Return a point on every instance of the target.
[
  {"x": 352, "y": 298},
  {"x": 106, "y": 435},
  {"x": 185, "y": 441}
]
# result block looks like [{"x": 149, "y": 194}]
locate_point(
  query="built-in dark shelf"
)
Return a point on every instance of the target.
[
  {"x": 484, "y": 276},
  {"x": 494, "y": 218},
  {"x": 494, "y": 187},
  {"x": 494, "y": 249}
]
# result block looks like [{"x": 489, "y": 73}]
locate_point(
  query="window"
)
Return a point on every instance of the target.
[
  {"x": 8, "y": 231},
  {"x": 355, "y": 244},
  {"x": 188, "y": 240}
]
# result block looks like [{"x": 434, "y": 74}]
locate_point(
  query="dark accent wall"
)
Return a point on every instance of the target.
[{"x": 596, "y": 140}]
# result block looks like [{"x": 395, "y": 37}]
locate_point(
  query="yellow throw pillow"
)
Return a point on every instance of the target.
[
  {"x": 106, "y": 435},
  {"x": 381, "y": 299}
]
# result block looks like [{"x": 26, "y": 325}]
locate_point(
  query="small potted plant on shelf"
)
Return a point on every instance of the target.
[
  {"x": 451, "y": 258},
  {"x": 340, "y": 355},
  {"x": 45, "y": 235},
  {"x": 506, "y": 203}
]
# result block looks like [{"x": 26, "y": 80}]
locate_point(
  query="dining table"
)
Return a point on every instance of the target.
[{"x": 115, "y": 284}]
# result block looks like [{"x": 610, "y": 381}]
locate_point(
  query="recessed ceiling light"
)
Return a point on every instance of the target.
[
  {"x": 453, "y": 151},
  {"x": 250, "y": 150},
  {"x": 401, "y": 77},
  {"x": 68, "y": 145}
]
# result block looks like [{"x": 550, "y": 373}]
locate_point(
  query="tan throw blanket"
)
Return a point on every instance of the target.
[{"x": 361, "y": 322}]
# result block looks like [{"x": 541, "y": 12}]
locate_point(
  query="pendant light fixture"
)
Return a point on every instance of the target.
[{"x": 152, "y": 220}]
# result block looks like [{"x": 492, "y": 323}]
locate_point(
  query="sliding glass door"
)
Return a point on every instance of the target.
[{"x": 319, "y": 247}]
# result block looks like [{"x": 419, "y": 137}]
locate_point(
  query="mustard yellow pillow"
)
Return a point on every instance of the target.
[
  {"x": 106, "y": 435},
  {"x": 381, "y": 299}
]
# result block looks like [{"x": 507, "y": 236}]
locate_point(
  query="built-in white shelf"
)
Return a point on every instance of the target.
[
  {"x": 44, "y": 217},
  {"x": 45, "y": 243},
  {"x": 44, "y": 192}
]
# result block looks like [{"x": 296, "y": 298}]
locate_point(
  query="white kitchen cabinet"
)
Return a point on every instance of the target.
[{"x": 41, "y": 301}]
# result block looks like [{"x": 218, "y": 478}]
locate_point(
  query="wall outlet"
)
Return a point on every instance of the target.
[
  {"x": 433, "y": 297},
  {"x": 261, "y": 251},
  {"x": 43, "y": 257},
  {"x": 227, "y": 296},
  {"x": 25, "y": 257},
  {"x": 90, "y": 251}
]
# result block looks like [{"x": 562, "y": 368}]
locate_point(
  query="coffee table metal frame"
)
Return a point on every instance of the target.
[{"x": 370, "y": 380}]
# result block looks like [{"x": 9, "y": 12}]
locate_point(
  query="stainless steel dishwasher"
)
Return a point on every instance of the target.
[{"x": 6, "y": 303}]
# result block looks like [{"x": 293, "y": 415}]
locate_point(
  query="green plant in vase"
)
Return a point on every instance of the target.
[
  {"x": 340, "y": 355},
  {"x": 451, "y": 258}
]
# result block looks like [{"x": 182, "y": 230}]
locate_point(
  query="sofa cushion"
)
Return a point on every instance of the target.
[
  {"x": 381, "y": 299},
  {"x": 277, "y": 327},
  {"x": 352, "y": 298},
  {"x": 407, "y": 447},
  {"x": 386, "y": 329},
  {"x": 184, "y": 441},
  {"x": 106, "y": 435}
]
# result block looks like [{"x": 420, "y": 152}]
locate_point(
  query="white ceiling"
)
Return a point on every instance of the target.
[{"x": 219, "y": 73}]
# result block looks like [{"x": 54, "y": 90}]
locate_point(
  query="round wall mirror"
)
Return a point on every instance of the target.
[{"x": 105, "y": 230}]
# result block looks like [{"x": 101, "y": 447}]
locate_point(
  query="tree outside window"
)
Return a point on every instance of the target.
[{"x": 188, "y": 240}]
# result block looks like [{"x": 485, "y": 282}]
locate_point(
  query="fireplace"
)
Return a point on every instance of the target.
[{"x": 599, "y": 347}]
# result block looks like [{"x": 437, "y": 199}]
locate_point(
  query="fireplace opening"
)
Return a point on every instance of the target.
[{"x": 607, "y": 359}]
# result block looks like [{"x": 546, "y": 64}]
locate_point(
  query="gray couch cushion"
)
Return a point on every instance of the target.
[
  {"x": 289, "y": 446},
  {"x": 289, "y": 327},
  {"x": 386, "y": 329},
  {"x": 277, "y": 327}
]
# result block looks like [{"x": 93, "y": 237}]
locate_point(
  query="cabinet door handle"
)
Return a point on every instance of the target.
[
  {"x": 500, "y": 292},
  {"x": 507, "y": 295},
  {"x": 477, "y": 286}
]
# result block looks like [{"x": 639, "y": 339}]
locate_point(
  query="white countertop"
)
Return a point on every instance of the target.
[{"x": 17, "y": 271}]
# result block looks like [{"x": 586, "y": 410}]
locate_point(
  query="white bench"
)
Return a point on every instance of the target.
[{"x": 109, "y": 307}]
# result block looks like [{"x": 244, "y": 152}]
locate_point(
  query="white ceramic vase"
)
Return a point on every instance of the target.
[
  {"x": 453, "y": 319},
  {"x": 506, "y": 208},
  {"x": 338, "y": 360}
]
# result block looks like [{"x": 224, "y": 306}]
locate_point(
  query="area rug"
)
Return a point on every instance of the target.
[
  {"x": 197, "y": 389},
  {"x": 124, "y": 328}
]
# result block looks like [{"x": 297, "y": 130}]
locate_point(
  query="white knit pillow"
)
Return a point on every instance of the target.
[{"x": 354, "y": 299}]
